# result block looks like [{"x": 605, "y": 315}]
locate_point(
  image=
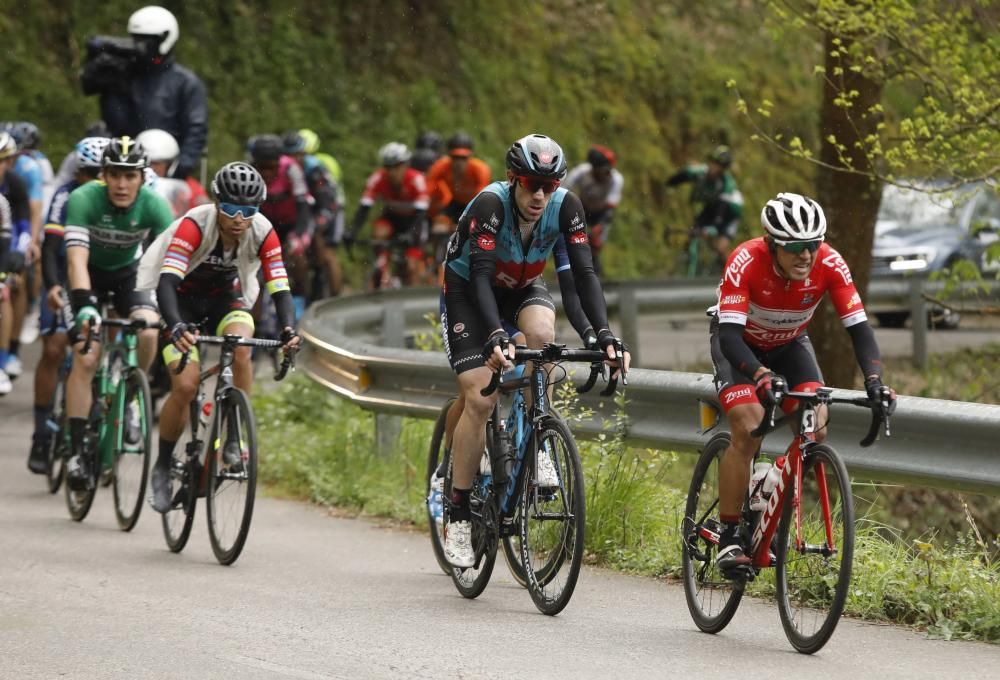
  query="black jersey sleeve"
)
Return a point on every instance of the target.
[
  {"x": 573, "y": 226},
  {"x": 866, "y": 349},
  {"x": 166, "y": 299},
  {"x": 480, "y": 225},
  {"x": 736, "y": 350}
]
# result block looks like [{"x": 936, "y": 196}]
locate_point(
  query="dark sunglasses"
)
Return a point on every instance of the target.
[
  {"x": 233, "y": 209},
  {"x": 796, "y": 247},
  {"x": 533, "y": 184}
]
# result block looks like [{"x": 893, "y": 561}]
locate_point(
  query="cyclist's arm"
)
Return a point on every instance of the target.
[
  {"x": 173, "y": 269},
  {"x": 276, "y": 279},
  {"x": 567, "y": 287},
  {"x": 303, "y": 203},
  {"x": 77, "y": 235},
  {"x": 359, "y": 219},
  {"x": 6, "y": 232},
  {"x": 573, "y": 226},
  {"x": 482, "y": 221},
  {"x": 737, "y": 351},
  {"x": 371, "y": 193},
  {"x": 847, "y": 302},
  {"x": 680, "y": 177}
]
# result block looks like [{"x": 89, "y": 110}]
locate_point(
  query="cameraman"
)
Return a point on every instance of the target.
[{"x": 142, "y": 87}]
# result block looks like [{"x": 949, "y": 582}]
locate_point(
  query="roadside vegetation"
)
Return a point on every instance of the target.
[{"x": 924, "y": 558}]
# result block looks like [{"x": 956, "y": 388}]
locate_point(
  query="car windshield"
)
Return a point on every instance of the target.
[{"x": 915, "y": 210}]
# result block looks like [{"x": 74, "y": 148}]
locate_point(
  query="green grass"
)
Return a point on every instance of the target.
[{"x": 318, "y": 447}]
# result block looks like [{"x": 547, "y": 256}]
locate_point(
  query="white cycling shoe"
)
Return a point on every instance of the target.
[
  {"x": 545, "y": 470},
  {"x": 458, "y": 544}
]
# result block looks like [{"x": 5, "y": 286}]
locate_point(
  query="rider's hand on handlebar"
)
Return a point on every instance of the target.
[
  {"x": 768, "y": 386},
  {"x": 881, "y": 395},
  {"x": 290, "y": 339},
  {"x": 618, "y": 355},
  {"x": 182, "y": 337},
  {"x": 88, "y": 315},
  {"x": 498, "y": 351}
]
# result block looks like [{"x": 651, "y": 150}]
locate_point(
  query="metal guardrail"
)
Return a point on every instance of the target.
[{"x": 934, "y": 442}]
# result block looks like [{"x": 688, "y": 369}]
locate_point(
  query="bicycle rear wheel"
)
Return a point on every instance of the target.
[
  {"x": 131, "y": 462},
  {"x": 434, "y": 459},
  {"x": 711, "y": 598},
  {"x": 78, "y": 502},
  {"x": 553, "y": 520},
  {"x": 472, "y": 581},
  {"x": 231, "y": 490},
  {"x": 185, "y": 476},
  {"x": 813, "y": 574},
  {"x": 57, "y": 449}
]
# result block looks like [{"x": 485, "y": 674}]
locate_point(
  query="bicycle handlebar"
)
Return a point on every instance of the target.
[
  {"x": 824, "y": 395},
  {"x": 127, "y": 324},
  {"x": 553, "y": 353},
  {"x": 287, "y": 362}
]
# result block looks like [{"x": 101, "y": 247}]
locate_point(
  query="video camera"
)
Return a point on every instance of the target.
[{"x": 110, "y": 63}]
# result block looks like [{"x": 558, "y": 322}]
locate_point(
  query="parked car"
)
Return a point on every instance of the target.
[{"x": 923, "y": 231}]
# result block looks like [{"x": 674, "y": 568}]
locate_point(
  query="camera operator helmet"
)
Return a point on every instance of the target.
[
  {"x": 155, "y": 26},
  {"x": 125, "y": 153}
]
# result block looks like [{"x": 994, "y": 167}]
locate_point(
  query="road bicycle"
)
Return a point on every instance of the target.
[
  {"x": 57, "y": 449},
  {"x": 805, "y": 531},
  {"x": 198, "y": 469},
  {"x": 118, "y": 438},
  {"x": 541, "y": 529}
]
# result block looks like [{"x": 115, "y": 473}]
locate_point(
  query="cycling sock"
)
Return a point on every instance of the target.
[
  {"x": 460, "y": 510},
  {"x": 15, "y": 347},
  {"x": 77, "y": 431},
  {"x": 41, "y": 416},
  {"x": 166, "y": 451},
  {"x": 730, "y": 530}
]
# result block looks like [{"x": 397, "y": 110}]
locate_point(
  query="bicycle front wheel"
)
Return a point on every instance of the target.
[
  {"x": 434, "y": 458},
  {"x": 815, "y": 549},
  {"x": 57, "y": 449},
  {"x": 553, "y": 520},
  {"x": 131, "y": 462},
  {"x": 232, "y": 487},
  {"x": 185, "y": 477},
  {"x": 711, "y": 598},
  {"x": 472, "y": 581}
]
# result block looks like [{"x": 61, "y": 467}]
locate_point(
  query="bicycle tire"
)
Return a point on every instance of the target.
[
  {"x": 79, "y": 502},
  {"x": 472, "y": 581},
  {"x": 434, "y": 457},
  {"x": 241, "y": 486},
  {"x": 185, "y": 475},
  {"x": 511, "y": 546},
  {"x": 131, "y": 468},
  {"x": 813, "y": 591},
  {"x": 550, "y": 588},
  {"x": 698, "y": 554},
  {"x": 56, "y": 449}
]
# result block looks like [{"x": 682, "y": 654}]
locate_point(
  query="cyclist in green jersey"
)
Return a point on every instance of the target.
[{"x": 106, "y": 224}]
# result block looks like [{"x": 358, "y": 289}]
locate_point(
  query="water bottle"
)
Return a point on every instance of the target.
[{"x": 757, "y": 499}]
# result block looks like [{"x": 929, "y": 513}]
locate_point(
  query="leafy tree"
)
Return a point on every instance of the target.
[{"x": 909, "y": 90}]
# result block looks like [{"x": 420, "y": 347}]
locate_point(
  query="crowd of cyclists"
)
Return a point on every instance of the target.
[{"x": 248, "y": 255}]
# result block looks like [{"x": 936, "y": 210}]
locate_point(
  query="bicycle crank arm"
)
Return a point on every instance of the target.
[
  {"x": 824, "y": 550},
  {"x": 562, "y": 517}
]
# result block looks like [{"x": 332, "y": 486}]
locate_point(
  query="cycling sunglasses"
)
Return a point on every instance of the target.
[
  {"x": 234, "y": 209},
  {"x": 796, "y": 247},
  {"x": 533, "y": 184}
]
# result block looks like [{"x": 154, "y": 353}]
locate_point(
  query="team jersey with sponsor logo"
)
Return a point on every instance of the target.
[
  {"x": 517, "y": 265},
  {"x": 114, "y": 236},
  {"x": 776, "y": 310},
  {"x": 406, "y": 199}
]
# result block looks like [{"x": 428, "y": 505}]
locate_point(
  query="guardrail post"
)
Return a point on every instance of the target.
[
  {"x": 918, "y": 321},
  {"x": 388, "y": 427},
  {"x": 628, "y": 312},
  {"x": 387, "y": 430},
  {"x": 393, "y": 325}
]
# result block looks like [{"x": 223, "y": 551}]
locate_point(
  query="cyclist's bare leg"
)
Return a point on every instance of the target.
[
  {"x": 538, "y": 323},
  {"x": 243, "y": 357},
  {"x": 722, "y": 246},
  {"x": 78, "y": 395},
  {"x": 822, "y": 418},
  {"x": 47, "y": 371},
  {"x": 334, "y": 274},
  {"x": 183, "y": 389},
  {"x": 146, "y": 349},
  {"x": 734, "y": 468},
  {"x": 470, "y": 431},
  {"x": 20, "y": 304}
]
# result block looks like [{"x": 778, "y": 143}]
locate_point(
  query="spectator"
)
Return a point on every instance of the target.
[
  {"x": 599, "y": 186},
  {"x": 159, "y": 93}
]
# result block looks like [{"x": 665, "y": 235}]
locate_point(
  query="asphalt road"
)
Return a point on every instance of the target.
[{"x": 319, "y": 597}]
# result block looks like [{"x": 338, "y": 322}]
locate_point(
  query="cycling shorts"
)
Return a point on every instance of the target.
[
  {"x": 213, "y": 314},
  {"x": 795, "y": 361},
  {"x": 725, "y": 231},
  {"x": 118, "y": 287},
  {"x": 49, "y": 322},
  {"x": 461, "y": 326}
]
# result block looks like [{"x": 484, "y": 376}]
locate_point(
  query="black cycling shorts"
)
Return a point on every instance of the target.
[
  {"x": 462, "y": 327},
  {"x": 795, "y": 361},
  {"x": 118, "y": 287}
]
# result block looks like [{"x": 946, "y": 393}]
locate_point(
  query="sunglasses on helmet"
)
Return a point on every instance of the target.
[
  {"x": 533, "y": 184},
  {"x": 234, "y": 209},
  {"x": 796, "y": 247}
]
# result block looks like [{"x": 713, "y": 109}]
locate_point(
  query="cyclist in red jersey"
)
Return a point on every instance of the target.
[
  {"x": 403, "y": 193},
  {"x": 770, "y": 288}
]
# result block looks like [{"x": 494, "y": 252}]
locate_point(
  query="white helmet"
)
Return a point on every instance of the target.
[
  {"x": 793, "y": 217},
  {"x": 393, "y": 153},
  {"x": 90, "y": 151},
  {"x": 155, "y": 21},
  {"x": 160, "y": 145}
]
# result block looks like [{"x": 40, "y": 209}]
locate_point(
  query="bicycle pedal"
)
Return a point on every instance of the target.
[{"x": 740, "y": 574}]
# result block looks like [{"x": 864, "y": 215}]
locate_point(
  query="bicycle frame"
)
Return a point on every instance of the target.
[{"x": 519, "y": 428}]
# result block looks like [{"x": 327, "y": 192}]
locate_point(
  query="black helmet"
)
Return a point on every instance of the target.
[
  {"x": 721, "y": 155},
  {"x": 459, "y": 140},
  {"x": 239, "y": 183},
  {"x": 601, "y": 156},
  {"x": 265, "y": 148},
  {"x": 124, "y": 152},
  {"x": 97, "y": 129},
  {"x": 27, "y": 135},
  {"x": 293, "y": 142},
  {"x": 537, "y": 156},
  {"x": 428, "y": 139}
]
